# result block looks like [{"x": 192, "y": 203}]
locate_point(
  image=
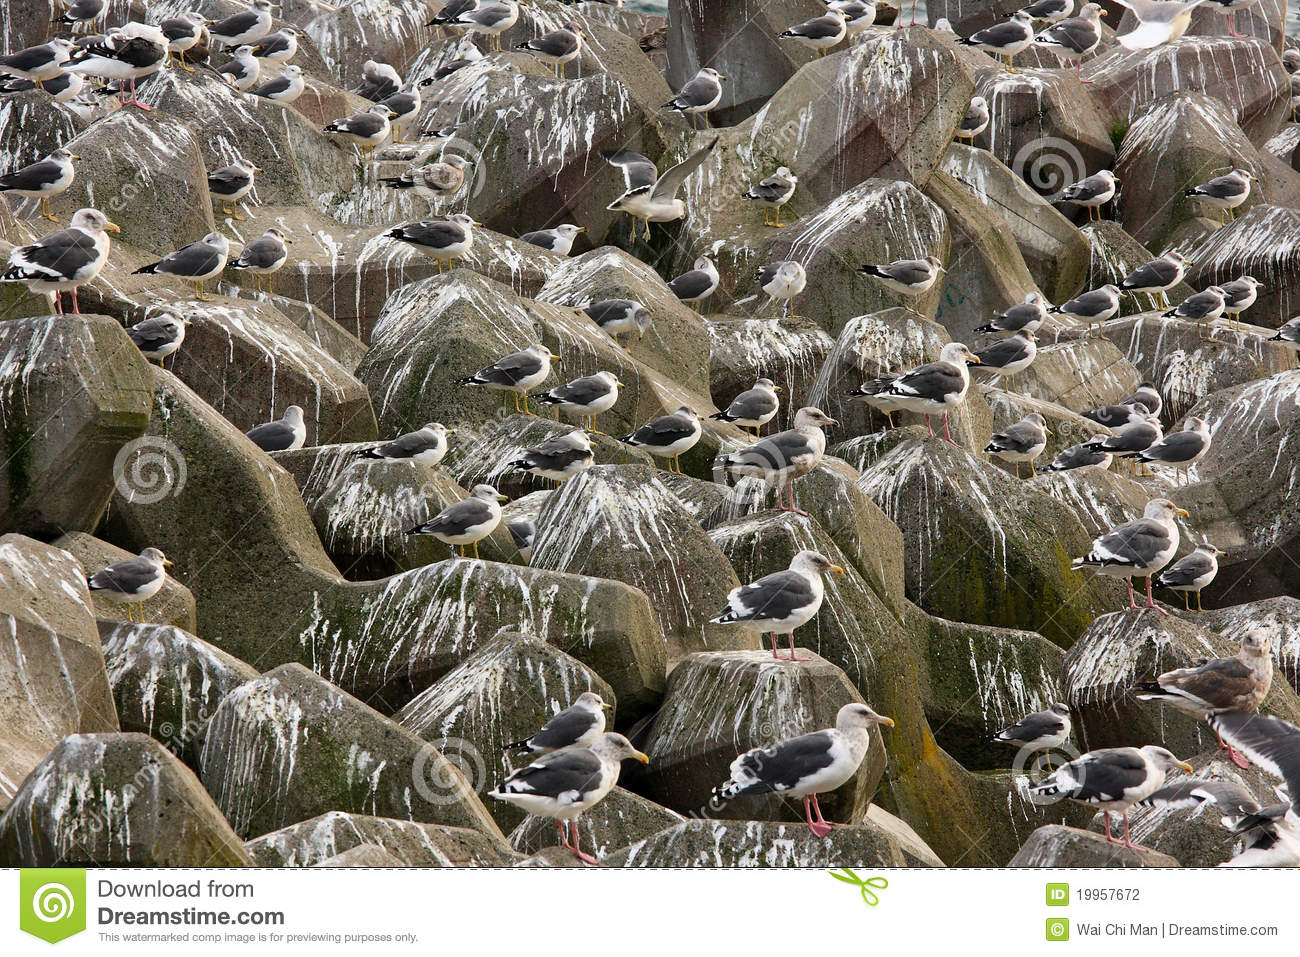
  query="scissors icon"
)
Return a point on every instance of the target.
[{"x": 864, "y": 885}]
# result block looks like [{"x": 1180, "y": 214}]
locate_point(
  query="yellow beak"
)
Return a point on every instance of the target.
[
  {"x": 1183, "y": 512},
  {"x": 642, "y": 757},
  {"x": 556, "y": 359},
  {"x": 168, "y": 563},
  {"x": 1186, "y": 767},
  {"x": 837, "y": 570},
  {"x": 888, "y": 722},
  {"x": 113, "y": 227}
]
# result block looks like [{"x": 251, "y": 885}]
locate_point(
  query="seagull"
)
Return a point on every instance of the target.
[
  {"x": 650, "y": 196},
  {"x": 1271, "y": 837},
  {"x": 365, "y": 130},
  {"x": 1022, "y": 442},
  {"x": 403, "y": 105},
  {"x": 577, "y": 726},
  {"x": 1157, "y": 277},
  {"x": 698, "y": 95},
  {"x": 427, "y": 445},
  {"x": 975, "y": 120},
  {"x": 263, "y": 256},
  {"x": 466, "y": 522},
  {"x": 696, "y": 284},
  {"x": 242, "y": 70},
  {"x": 558, "y": 459},
  {"x": 279, "y": 47},
  {"x": 858, "y": 14},
  {"x": 588, "y": 396},
  {"x": 1049, "y": 11},
  {"x": 1225, "y": 192},
  {"x": 1180, "y": 450},
  {"x": 558, "y": 239},
  {"x": 443, "y": 239},
  {"x": 1192, "y": 573},
  {"x": 910, "y": 277},
  {"x": 772, "y": 193},
  {"x": 1133, "y": 438},
  {"x": 753, "y": 408},
  {"x": 230, "y": 184},
  {"x": 39, "y": 63},
  {"x": 183, "y": 34},
  {"x": 523, "y": 532},
  {"x": 285, "y": 434},
  {"x": 1088, "y": 454},
  {"x": 556, "y": 48},
  {"x": 491, "y": 19},
  {"x": 1140, "y": 547},
  {"x": 1028, "y": 315},
  {"x": 781, "y": 458},
  {"x": 132, "y": 581},
  {"x": 935, "y": 388},
  {"x": 1159, "y": 21},
  {"x": 42, "y": 180},
  {"x": 1201, "y": 308},
  {"x": 247, "y": 26},
  {"x": 196, "y": 263},
  {"x": 131, "y": 53},
  {"x": 1010, "y": 355},
  {"x": 668, "y": 436},
  {"x": 1238, "y": 296},
  {"x": 565, "y": 783},
  {"x": 64, "y": 88},
  {"x": 1288, "y": 335},
  {"x": 433, "y": 181},
  {"x": 1005, "y": 39},
  {"x": 285, "y": 88},
  {"x": 378, "y": 81},
  {"x": 1146, "y": 395},
  {"x": 1040, "y": 731},
  {"x": 63, "y": 260},
  {"x": 1092, "y": 192},
  {"x": 516, "y": 373},
  {"x": 819, "y": 33},
  {"x": 1113, "y": 779},
  {"x": 446, "y": 17},
  {"x": 1093, "y": 306},
  {"x": 1073, "y": 39},
  {"x": 782, "y": 601},
  {"x": 617, "y": 316},
  {"x": 1238, "y": 685},
  {"x": 159, "y": 336},
  {"x": 873, "y": 393},
  {"x": 1273, "y": 744},
  {"x": 808, "y": 765},
  {"x": 783, "y": 280},
  {"x": 81, "y": 13}
]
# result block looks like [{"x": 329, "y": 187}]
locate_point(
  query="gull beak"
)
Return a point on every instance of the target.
[
  {"x": 887, "y": 722},
  {"x": 1186, "y": 767},
  {"x": 1047, "y": 431},
  {"x": 973, "y": 360},
  {"x": 477, "y": 223},
  {"x": 619, "y": 385},
  {"x": 555, "y": 358},
  {"x": 113, "y": 227},
  {"x": 1183, "y": 512},
  {"x": 75, "y": 156},
  {"x": 837, "y": 569},
  {"x": 451, "y": 431},
  {"x": 288, "y": 241},
  {"x": 641, "y": 756},
  {"x": 777, "y": 388},
  {"x": 502, "y": 497},
  {"x": 582, "y": 229},
  {"x": 168, "y": 563},
  {"x": 258, "y": 169}
]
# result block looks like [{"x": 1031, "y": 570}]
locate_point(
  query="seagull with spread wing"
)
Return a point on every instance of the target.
[{"x": 650, "y": 196}]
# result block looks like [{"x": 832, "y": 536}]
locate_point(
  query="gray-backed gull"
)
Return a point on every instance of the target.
[
  {"x": 466, "y": 522},
  {"x": 1022, "y": 442},
  {"x": 285, "y": 434},
  {"x": 1192, "y": 573},
  {"x": 668, "y": 436},
  {"x": 63, "y": 260},
  {"x": 426, "y": 445},
  {"x": 782, "y": 601},
  {"x": 587, "y": 396},
  {"x": 516, "y": 373},
  {"x": 158, "y": 336},
  {"x": 42, "y": 180},
  {"x": 443, "y": 240},
  {"x": 781, "y": 458},
  {"x": 263, "y": 257},
  {"x": 753, "y": 408},
  {"x": 132, "y": 580},
  {"x": 577, "y": 726},
  {"x": 558, "y": 459},
  {"x": 773, "y": 192},
  {"x": 196, "y": 263},
  {"x": 648, "y": 195},
  {"x": 1141, "y": 547}
]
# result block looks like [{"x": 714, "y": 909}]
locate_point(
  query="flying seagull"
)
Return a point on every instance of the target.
[{"x": 648, "y": 195}]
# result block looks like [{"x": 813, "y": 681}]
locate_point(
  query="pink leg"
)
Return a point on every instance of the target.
[
  {"x": 793, "y": 508},
  {"x": 135, "y": 101},
  {"x": 794, "y": 657},
  {"x": 56, "y": 302},
  {"x": 819, "y": 826},
  {"x": 1131, "y": 603},
  {"x": 775, "y": 654},
  {"x": 76, "y": 308},
  {"x": 927, "y": 425},
  {"x": 1232, "y": 25},
  {"x": 1237, "y": 758},
  {"x": 1105, "y": 819},
  {"x": 946, "y": 434},
  {"x": 577, "y": 852},
  {"x": 1151, "y": 603}
]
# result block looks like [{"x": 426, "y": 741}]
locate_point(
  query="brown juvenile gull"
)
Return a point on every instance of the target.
[
  {"x": 466, "y": 522},
  {"x": 558, "y": 459},
  {"x": 668, "y": 436},
  {"x": 1157, "y": 276},
  {"x": 975, "y": 120},
  {"x": 433, "y": 181},
  {"x": 649, "y": 195},
  {"x": 1040, "y": 731},
  {"x": 516, "y": 373},
  {"x": 426, "y": 445},
  {"x": 565, "y": 783},
  {"x": 910, "y": 277},
  {"x": 1022, "y": 442},
  {"x": 577, "y": 726},
  {"x": 1091, "y": 192},
  {"x": 1192, "y": 573},
  {"x": 1225, "y": 192},
  {"x": 587, "y": 396},
  {"x": 284, "y": 434},
  {"x": 132, "y": 580},
  {"x": 753, "y": 408},
  {"x": 1238, "y": 684},
  {"x": 63, "y": 260},
  {"x": 808, "y": 765},
  {"x": 935, "y": 388},
  {"x": 772, "y": 193},
  {"x": 1028, "y": 314},
  {"x": 781, "y": 458},
  {"x": 1180, "y": 450},
  {"x": 158, "y": 336},
  {"x": 42, "y": 180},
  {"x": 782, "y": 601},
  {"x": 1113, "y": 779},
  {"x": 1140, "y": 547}
]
